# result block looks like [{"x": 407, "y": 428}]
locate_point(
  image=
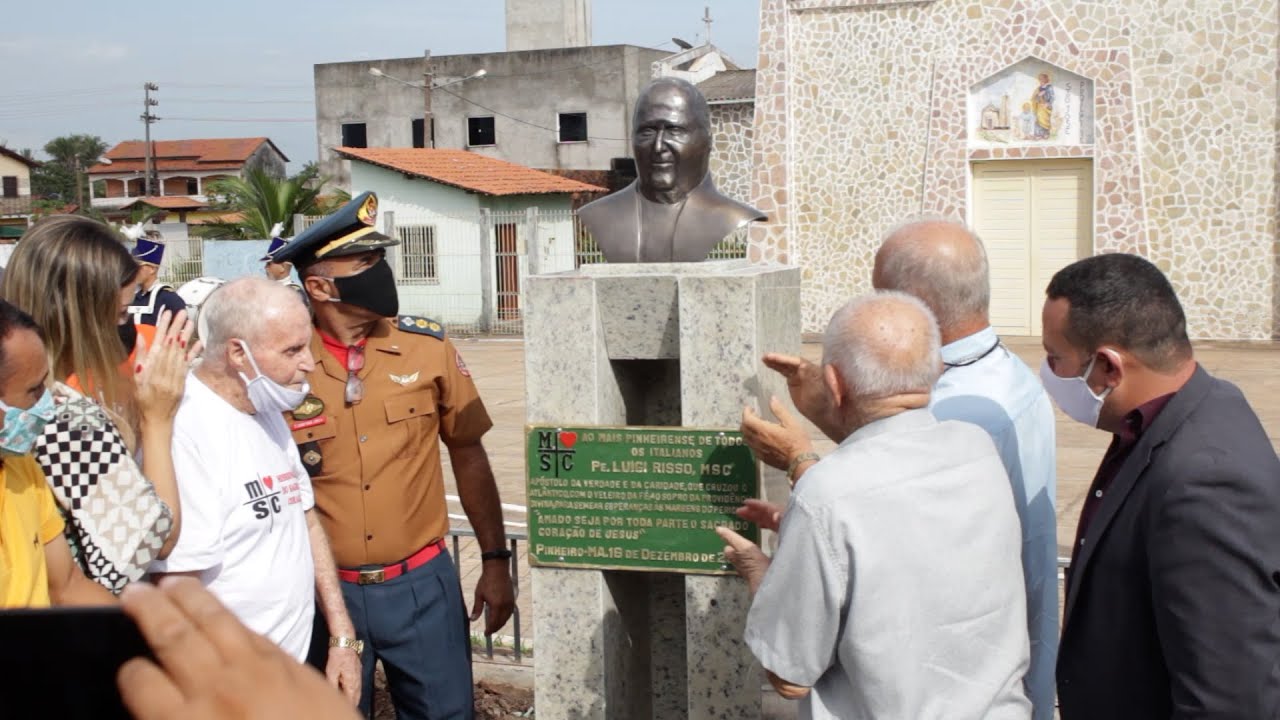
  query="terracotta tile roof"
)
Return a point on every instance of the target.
[
  {"x": 19, "y": 157},
  {"x": 729, "y": 86},
  {"x": 218, "y": 153},
  {"x": 467, "y": 170},
  {"x": 168, "y": 202}
]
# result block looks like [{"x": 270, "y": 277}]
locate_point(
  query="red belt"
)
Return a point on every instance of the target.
[{"x": 394, "y": 570}]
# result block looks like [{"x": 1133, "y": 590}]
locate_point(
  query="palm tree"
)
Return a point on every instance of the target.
[
  {"x": 261, "y": 200},
  {"x": 63, "y": 178}
]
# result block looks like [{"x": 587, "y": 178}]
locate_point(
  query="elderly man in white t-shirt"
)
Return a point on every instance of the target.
[
  {"x": 896, "y": 590},
  {"x": 249, "y": 530}
]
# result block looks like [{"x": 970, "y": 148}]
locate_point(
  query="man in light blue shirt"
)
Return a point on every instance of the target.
[{"x": 983, "y": 383}]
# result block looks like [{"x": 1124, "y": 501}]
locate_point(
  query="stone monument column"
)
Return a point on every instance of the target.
[{"x": 674, "y": 344}]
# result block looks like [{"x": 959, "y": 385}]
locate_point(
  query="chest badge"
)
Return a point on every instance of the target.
[
  {"x": 312, "y": 457},
  {"x": 310, "y": 407},
  {"x": 405, "y": 380}
]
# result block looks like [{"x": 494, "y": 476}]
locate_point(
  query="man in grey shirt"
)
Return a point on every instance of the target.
[
  {"x": 945, "y": 265},
  {"x": 896, "y": 590}
]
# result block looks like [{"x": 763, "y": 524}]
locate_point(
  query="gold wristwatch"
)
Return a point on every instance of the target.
[{"x": 346, "y": 642}]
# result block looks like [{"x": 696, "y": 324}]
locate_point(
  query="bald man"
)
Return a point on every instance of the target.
[
  {"x": 944, "y": 265},
  {"x": 896, "y": 590},
  {"x": 672, "y": 212}
]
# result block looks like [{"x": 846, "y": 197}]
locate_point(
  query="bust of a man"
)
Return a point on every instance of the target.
[{"x": 672, "y": 212}]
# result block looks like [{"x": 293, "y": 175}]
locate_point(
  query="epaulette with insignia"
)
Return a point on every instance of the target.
[{"x": 420, "y": 326}]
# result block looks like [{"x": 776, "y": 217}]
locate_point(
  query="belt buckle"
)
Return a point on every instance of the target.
[{"x": 372, "y": 577}]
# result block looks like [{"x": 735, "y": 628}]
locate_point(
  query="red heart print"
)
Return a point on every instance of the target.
[
  {"x": 568, "y": 438},
  {"x": 268, "y": 481}
]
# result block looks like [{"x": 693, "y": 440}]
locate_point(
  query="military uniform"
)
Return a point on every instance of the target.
[
  {"x": 375, "y": 465},
  {"x": 148, "y": 304},
  {"x": 379, "y": 486}
]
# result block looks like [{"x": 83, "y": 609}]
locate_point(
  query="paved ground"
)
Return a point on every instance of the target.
[{"x": 498, "y": 366}]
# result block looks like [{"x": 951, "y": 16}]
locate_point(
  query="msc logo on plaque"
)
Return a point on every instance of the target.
[{"x": 555, "y": 450}]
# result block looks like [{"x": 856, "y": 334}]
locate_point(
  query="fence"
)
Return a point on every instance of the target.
[
  {"x": 468, "y": 270},
  {"x": 183, "y": 262}
]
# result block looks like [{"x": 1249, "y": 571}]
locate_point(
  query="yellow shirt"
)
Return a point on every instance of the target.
[{"x": 28, "y": 519}]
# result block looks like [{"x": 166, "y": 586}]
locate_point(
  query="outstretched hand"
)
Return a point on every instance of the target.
[
  {"x": 804, "y": 382},
  {"x": 775, "y": 444},
  {"x": 765, "y": 515},
  {"x": 161, "y": 370},
  {"x": 209, "y": 666},
  {"x": 746, "y": 556}
]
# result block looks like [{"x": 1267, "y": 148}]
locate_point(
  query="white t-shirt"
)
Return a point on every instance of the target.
[{"x": 244, "y": 493}]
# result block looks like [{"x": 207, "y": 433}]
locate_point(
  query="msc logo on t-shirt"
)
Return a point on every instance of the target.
[{"x": 268, "y": 495}]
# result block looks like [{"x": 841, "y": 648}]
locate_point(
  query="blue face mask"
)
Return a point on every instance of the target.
[{"x": 22, "y": 427}]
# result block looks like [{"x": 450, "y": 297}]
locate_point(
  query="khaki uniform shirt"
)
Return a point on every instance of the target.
[{"x": 375, "y": 465}]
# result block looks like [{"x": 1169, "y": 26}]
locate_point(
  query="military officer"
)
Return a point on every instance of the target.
[
  {"x": 152, "y": 296},
  {"x": 387, "y": 391}
]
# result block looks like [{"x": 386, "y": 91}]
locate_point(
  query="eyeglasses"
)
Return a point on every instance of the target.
[{"x": 355, "y": 363}]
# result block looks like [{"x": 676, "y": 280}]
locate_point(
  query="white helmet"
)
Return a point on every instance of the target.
[{"x": 195, "y": 292}]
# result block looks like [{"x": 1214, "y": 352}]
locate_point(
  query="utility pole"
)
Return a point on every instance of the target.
[
  {"x": 79, "y": 186},
  {"x": 147, "y": 120},
  {"x": 428, "y": 78},
  {"x": 706, "y": 18}
]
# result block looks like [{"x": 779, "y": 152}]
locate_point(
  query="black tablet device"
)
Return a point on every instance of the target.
[{"x": 62, "y": 662}]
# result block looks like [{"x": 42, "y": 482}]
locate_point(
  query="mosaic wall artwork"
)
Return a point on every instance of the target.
[
  {"x": 731, "y": 149},
  {"x": 1031, "y": 103},
  {"x": 865, "y": 116}
]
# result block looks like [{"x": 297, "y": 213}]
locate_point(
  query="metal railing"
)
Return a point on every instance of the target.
[{"x": 513, "y": 539}]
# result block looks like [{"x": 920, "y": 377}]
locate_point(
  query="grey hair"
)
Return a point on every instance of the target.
[
  {"x": 239, "y": 309},
  {"x": 956, "y": 289},
  {"x": 891, "y": 359}
]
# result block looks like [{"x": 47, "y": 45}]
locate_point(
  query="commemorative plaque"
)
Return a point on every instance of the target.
[{"x": 636, "y": 498}]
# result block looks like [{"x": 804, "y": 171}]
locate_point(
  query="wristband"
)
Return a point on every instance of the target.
[{"x": 502, "y": 554}]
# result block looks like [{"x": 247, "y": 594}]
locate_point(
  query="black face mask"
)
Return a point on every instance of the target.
[
  {"x": 128, "y": 335},
  {"x": 374, "y": 290}
]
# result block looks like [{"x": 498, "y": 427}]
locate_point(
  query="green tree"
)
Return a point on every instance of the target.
[
  {"x": 260, "y": 201},
  {"x": 71, "y": 156}
]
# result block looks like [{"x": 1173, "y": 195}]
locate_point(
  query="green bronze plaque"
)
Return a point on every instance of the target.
[{"x": 636, "y": 498}]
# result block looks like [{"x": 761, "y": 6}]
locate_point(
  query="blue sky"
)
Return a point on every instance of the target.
[{"x": 244, "y": 69}]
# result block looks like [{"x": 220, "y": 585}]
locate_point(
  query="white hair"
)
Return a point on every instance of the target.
[
  {"x": 239, "y": 309},
  {"x": 879, "y": 353},
  {"x": 956, "y": 288}
]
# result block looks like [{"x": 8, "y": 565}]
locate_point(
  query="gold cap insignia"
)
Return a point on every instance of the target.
[{"x": 368, "y": 213}]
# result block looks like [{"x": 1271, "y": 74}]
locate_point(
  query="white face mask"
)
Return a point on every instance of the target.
[
  {"x": 1073, "y": 394},
  {"x": 267, "y": 395}
]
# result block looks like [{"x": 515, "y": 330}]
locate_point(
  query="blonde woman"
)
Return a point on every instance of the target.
[{"x": 116, "y": 398}]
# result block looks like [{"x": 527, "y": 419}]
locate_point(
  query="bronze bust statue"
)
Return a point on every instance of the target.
[{"x": 672, "y": 212}]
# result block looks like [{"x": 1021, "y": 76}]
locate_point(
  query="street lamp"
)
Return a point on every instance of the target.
[{"x": 427, "y": 85}]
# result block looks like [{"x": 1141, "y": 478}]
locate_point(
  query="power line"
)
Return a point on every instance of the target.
[
  {"x": 242, "y": 119},
  {"x": 60, "y": 93},
  {"x": 259, "y": 86},
  {"x": 238, "y": 101}
]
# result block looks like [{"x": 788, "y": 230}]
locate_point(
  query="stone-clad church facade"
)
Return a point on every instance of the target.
[{"x": 1057, "y": 128}]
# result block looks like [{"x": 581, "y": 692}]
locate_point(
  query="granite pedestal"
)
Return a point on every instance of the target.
[{"x": 675, "y": 344}]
